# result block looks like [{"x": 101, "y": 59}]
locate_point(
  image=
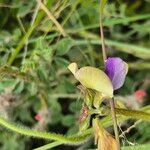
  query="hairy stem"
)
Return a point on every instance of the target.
[{"x": 76, "y": 139}]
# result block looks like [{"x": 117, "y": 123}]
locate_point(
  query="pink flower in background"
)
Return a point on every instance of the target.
[
  {"x": 139, "y": 95},
  {"x": 116, "y": 69},
  {"x": 38, "y": 117}
]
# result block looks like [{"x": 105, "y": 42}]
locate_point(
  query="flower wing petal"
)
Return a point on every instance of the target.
[
  {"x": 116, "y": 69},
  {"x": 96, "y": 79}
]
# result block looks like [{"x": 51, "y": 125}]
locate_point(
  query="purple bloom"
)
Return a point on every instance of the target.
[{"x": 116, "y": 69}]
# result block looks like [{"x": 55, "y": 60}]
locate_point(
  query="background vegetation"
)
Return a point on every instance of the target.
[{"x": 39, "y": 92}]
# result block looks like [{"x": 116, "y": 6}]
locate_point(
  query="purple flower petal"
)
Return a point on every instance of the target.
[{"x": 116, "y": 70}]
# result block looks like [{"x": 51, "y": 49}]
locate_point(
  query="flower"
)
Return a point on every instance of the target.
[
  {"x": 93, "y": 78},
  {"x": 38, "y": 117},
  {"x": 140, "y": 94},
  {"x": 116, "y": 69}
]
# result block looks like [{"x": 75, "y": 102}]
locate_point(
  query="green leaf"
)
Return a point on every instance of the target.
[
  {"x": 32, "y": 88},
  {"x": 61, "y": 62},
  {"x": 68, "y": 120},
  {"x": 12, "y": 141},
  {"x": 47, "y": 53},
  {"x": 137, "y": 114},
  {"x": 85, "y": 124},
  {"x": 75, "y": 106},
  {"x": 64, "y": 46},
  {"x": 42, "y": 75},
  {"x": 73, "y": 130},
  {"x": 65, "y": 86},
  {"x": 55, "y": 108},
  {"x": 7, "y": 83},
  {"x": 19, "y": 87}
]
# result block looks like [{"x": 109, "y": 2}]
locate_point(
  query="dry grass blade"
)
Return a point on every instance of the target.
[{"x": 51, "y": 17}]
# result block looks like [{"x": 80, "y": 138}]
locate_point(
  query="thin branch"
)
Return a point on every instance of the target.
[
  {"x": 31, "y": 24},
  {"x": 131, "y": 127},
  {"x": 51, "y": 17},
  {"x": 102, "y": 40},
  {"x": 112, "y": 104},
  {"x": 49, "y": 146}
]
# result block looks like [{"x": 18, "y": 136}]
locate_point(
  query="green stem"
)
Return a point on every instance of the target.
[
  {"x": 102, "y": 40},
  {"x": 73, "y": 8},
  {"x": 25, "y": 38},
  {"x": 49, "y": 146},
  {"x": 111, "y": 22},
  {"x": 76, "y": 139},
  {"x": 133, "y": 114},
  {"x": 112, "y": 104},
  {"x": 113, "y": 112},
  {"x": 20, "y": 45}
]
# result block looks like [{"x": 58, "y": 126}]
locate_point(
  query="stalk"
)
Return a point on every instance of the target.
[
  {"x": 112, "y": 104},
  {"x": 113, "y": 113},
  {"x": 103, "y": 40},
  {"x": 72, "y": 140}
]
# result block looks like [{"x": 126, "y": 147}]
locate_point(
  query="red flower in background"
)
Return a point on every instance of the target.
[
  {"x": 38, "y": 117},
  {"x": 140, "y": 94}
]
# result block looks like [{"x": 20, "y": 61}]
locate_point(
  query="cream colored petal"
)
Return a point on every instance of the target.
[
  {"x": 96, "y": 79},
  {"x": 73, "y": 68}
]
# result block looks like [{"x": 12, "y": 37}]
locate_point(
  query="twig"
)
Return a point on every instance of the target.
[
  {"x": 102, "y": 40},
  {"x": 131, "y": 127},
  {"x": 125, "y": 139},
  {"x": 50, "y": 15},
  {"x": 31, "y": 24}
]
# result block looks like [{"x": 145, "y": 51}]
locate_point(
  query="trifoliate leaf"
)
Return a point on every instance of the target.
[{"x": 64, "y": 46}]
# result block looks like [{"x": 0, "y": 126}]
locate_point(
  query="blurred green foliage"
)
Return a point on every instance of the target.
[{"x": 38, "y": 77}]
